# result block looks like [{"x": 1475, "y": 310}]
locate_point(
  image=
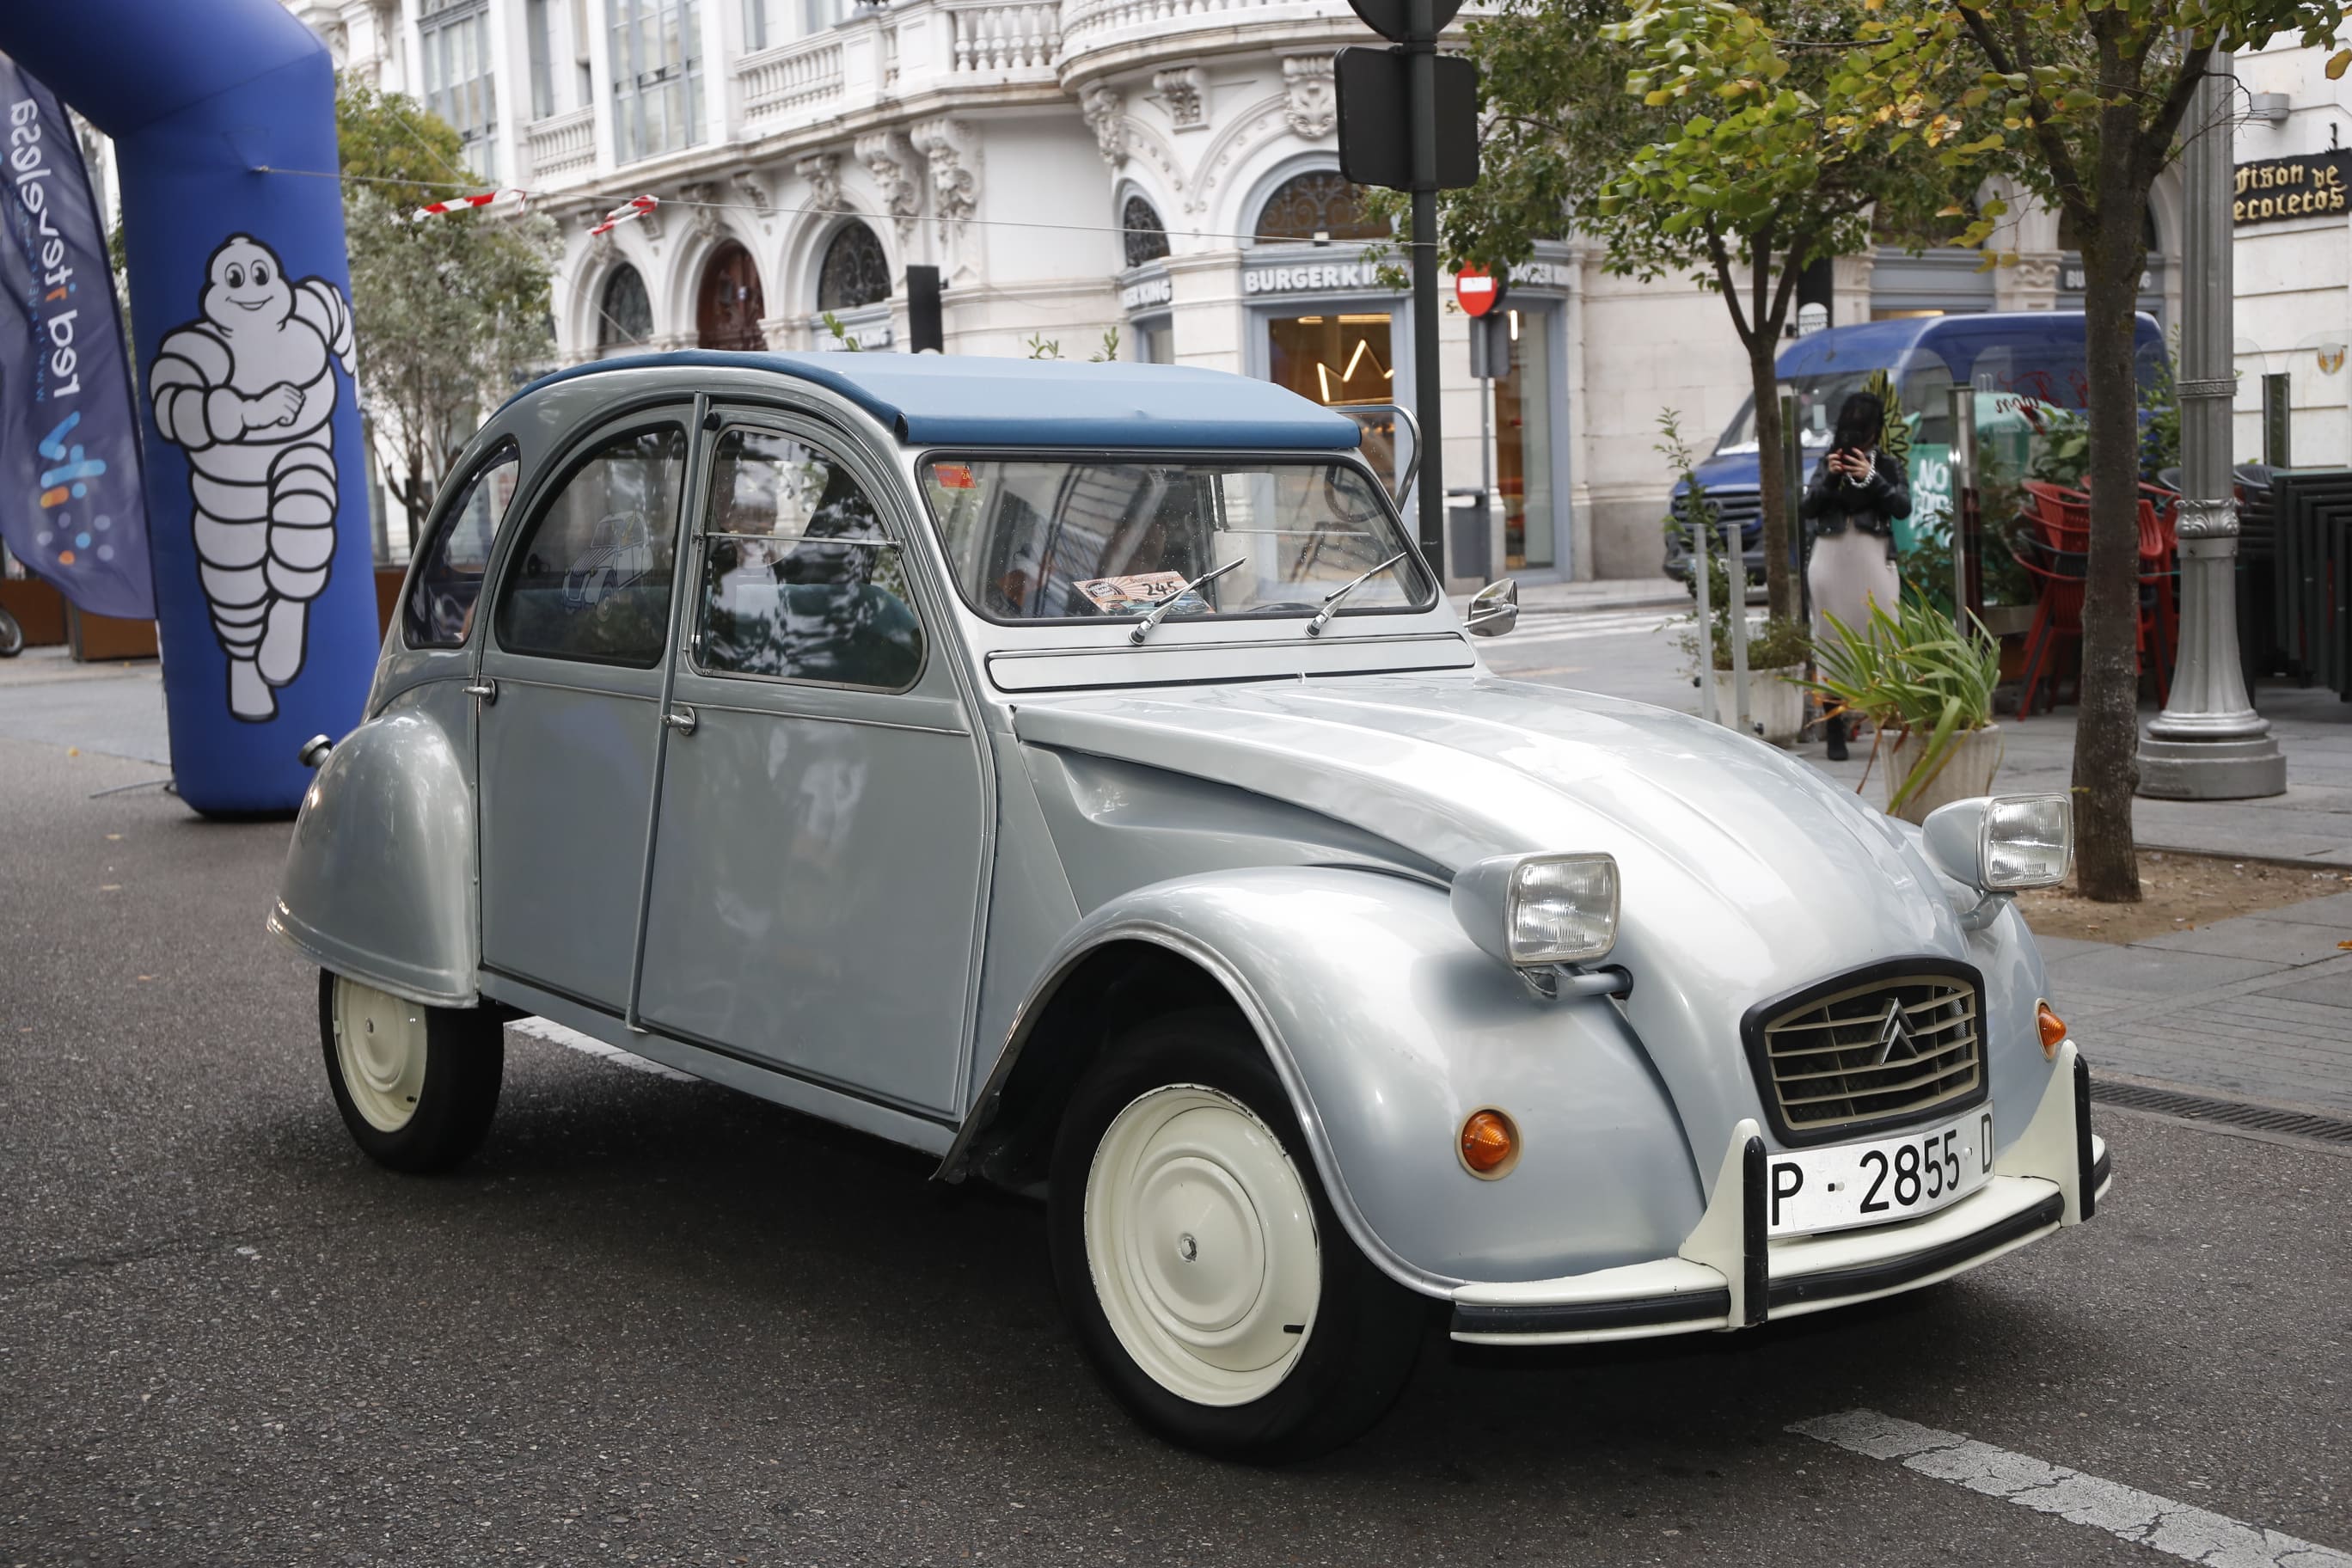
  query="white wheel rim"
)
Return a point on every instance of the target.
[
  {"x": 380, "y": 1044},
  {"x": 1201, "y": 1239}
]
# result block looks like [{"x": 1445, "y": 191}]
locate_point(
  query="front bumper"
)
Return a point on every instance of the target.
[{"x": 1728, "y": 1275}]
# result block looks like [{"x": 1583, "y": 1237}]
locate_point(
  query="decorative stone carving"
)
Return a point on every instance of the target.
[
  {"x": 954, "y": 158},
  {"x": 754, "y": 188},
  {"x": 1314, "y": 105},
  {"x": 823, "y": 173},
  {"x": 702, "y": 201},
  {"x": 1184, "y": 93},
  {"x": 1105, "y": 107},
  {"x": 890, "y": 161}
]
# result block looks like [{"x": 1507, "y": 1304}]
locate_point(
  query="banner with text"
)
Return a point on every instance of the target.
[{"x": 72, "y": 507}]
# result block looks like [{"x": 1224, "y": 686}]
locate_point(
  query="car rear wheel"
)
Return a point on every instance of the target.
[
  {"x": 416, "y": 1085},
  {"x": 1199, "y": 1260}
]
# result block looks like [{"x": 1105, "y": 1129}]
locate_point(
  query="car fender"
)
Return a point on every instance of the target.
[
  {"x": 379, "y": 881},
  {"x": 1388, "y": 1028}
]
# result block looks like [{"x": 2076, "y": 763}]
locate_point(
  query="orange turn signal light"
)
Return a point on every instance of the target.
[
  {"x": 1490, "y": 1144},
  {"x": 2053, "y": 1028}
]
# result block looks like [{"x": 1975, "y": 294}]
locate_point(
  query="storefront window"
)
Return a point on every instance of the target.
[
  {"x": 1155, "y": 341},
  {"x": 1333, "y": 358},
  {"x": 1523, "y": 444}
]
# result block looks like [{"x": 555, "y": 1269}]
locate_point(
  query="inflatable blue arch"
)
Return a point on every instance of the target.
[{"x": 240, "y": 289}]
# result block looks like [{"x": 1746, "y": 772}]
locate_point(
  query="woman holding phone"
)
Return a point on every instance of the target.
[{"x": 1850, "y": 509}]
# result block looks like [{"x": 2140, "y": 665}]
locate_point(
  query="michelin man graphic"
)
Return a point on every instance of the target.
[{"x": 248, "y": 393}]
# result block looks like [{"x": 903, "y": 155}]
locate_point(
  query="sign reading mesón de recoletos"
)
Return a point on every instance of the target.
[{"x": 2310, "y": 184}]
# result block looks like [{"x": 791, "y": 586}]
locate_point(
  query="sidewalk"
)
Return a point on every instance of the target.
[{"x": 2257, "y": 1007}]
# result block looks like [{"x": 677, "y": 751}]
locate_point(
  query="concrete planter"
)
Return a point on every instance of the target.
[
  {"x": 1776, "y": 703},
  {"x": 1969, "y": 770}
]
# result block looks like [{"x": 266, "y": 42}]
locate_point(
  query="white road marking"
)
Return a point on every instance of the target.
[
  {"x": 557, "y": 1035},
  {"x": 2144, "y": 1519}
]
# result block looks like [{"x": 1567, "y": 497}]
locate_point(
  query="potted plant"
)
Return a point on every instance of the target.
[
  {"x": 1926, "y": 688},
  {"x": 1775, "y": 663}
]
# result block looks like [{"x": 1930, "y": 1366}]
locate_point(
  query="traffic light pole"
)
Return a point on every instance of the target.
[{"x": 1421, "y": 105}]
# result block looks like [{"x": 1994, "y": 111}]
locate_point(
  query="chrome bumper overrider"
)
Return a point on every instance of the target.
[{"x": 1728, "y": 1275}]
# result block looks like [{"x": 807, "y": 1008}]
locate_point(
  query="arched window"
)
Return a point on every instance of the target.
[
  {"x": 624, "y": 315},
  {"x": 1319, "y": 205},
  {"x": 854, "y": 271},
  {"x": 1146, "y": 235}
]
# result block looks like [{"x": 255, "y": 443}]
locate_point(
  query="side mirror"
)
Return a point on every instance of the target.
[{"x": 1494, "y": 609}]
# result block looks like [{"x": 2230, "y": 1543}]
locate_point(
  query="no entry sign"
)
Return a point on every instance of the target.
[{"x": 1478, "y": 291}]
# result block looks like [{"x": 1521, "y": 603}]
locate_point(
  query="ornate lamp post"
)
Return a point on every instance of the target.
[{"x": 2209, "y": 743}]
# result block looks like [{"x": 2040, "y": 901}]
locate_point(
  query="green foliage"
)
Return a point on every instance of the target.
[
  {"x": 1894, "y": 433},
  {"x": 1911, "y": 672},
  {"x": 1781, "y": 642},
  {"x": 2160, "y": 408},
  {"x": 841, "y": 334},
  {"x": 450, "y": 313},
  {"x": 1040, "y": 346},
  {"x": 2061, "y": 449},
  {"x": 1110, "y": 350}
]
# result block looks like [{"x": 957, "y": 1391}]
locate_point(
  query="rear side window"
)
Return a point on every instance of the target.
[
  {"x": 591, "y": 578},
  {"x": 439, "y": 610}
]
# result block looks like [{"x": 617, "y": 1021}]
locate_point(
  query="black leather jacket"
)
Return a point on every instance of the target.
[{"x": 1832, "y": 500}]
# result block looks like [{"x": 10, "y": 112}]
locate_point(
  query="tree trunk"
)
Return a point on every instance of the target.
[
  {"x": 1771, "y": 476},
  {"x": 2106, "y": 731}
]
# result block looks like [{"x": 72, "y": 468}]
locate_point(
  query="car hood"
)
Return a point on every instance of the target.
[{"x": 1746, "y": 875}]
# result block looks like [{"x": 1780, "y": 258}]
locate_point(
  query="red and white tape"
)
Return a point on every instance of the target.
[
  {"x": 471, "y": 204},
  {"x": 634, "y": 207}
]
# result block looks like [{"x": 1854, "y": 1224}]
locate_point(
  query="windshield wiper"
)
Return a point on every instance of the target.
[
  {"x": 1331, "y": 600},
  {"x": 1159, "y": 611}
]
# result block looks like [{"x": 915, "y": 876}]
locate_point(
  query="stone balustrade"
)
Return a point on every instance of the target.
[
  {"x": 561, "y": 143},
  {"x": 792, "y": 82}
]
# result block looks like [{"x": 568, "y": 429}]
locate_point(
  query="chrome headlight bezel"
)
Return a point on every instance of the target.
[
  {"x": 1497, "y": 901},
  {"x": 2003, "y": 843}
]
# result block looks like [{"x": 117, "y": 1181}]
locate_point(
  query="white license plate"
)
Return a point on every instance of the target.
[{"x": 1855, "y": 1184}]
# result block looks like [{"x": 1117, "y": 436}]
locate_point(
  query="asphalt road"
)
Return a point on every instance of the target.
[{"x": 657, "y": 1323}]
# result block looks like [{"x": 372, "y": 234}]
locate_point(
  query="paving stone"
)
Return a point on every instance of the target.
[
  {"x": 2335, "y": 910},
  {"x": 2251, "y": 936},
  {"x": 2054, "y": 948},
  {"x": 2144, "y": 973}
]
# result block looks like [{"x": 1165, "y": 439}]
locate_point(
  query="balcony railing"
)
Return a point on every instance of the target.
[
  {"x": 562, "y": 141},
  {"x": 791, "y": 82},
  {"x": 1005, "y": 39}
]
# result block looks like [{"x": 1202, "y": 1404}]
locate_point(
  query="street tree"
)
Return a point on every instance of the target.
[
  {"x": 2086, "y": 104},
  {"x": 1589, "y": 120},
  {"x": 450, "y": 313}
]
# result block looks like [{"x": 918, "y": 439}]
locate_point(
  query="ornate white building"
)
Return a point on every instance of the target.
[{"x": 1160, "y": 170}]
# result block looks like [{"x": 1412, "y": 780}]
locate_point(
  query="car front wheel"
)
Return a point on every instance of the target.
[
  {"x": 416, "y": 1085},
  {"x": 1199, "y": 1260}
]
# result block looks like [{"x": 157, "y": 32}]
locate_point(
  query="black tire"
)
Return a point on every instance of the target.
[
  {"x": 12, "y": 635},
  {"x": 465, "y": 1060},
  {"x": 1367, "y": 1330}
]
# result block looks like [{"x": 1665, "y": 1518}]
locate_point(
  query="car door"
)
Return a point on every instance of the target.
[
  {"x": 570, "y": 716},
  {"x": 819, "y": 848}
]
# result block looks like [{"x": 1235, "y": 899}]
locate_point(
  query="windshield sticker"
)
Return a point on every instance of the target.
[{"x": 1142, "y": 591}]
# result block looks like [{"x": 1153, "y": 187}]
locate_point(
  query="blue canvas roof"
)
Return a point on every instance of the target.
[
  {"x": 952, "y": 400},
  {"x": 1958, "y": 339}
]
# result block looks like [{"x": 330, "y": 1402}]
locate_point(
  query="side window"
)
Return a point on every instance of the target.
[
  {"x": 439, "y": 610},
  {"x": 591, "y": 579},
  {"x": 799, "y": 582}
]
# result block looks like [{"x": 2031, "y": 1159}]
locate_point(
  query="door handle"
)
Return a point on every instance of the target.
[
  {"x": 680, "y": 719},
  {"x": 488, "y": 690}
]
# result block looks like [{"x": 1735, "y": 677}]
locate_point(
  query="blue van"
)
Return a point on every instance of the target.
[{"x": 2013, "y": 355}]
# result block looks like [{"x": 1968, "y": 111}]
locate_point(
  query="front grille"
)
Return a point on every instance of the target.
[
  {"x": 1745, "y": 508},
  {"x": 1886, "y": 1049}
]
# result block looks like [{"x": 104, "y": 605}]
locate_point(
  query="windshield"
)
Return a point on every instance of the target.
[
  {"x": 1819, "y": 398},
  {"x": 1054, "y": 538}
]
